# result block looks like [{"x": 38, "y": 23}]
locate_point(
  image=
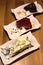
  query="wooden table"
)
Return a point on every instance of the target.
[{"x": 34, "y": 58}]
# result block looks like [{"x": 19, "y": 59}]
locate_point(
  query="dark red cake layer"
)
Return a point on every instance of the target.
[{"x": 25, "y": 22}]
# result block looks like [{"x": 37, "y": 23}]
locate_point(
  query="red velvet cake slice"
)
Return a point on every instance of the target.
[{"x": 25, "y": 22}]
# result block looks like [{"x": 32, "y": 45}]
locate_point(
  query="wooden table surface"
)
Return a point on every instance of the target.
[{"x": 34, "y": 58}]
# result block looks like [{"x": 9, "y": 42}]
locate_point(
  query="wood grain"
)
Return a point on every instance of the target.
[{"x": 6, "y": 17}]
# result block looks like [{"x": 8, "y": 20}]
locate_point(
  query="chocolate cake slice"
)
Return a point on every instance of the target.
[
  {"x": 31, "y": 7},
  {"x": 25, "y": 22}
]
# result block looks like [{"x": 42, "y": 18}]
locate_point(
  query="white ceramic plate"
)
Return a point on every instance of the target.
[
  {"x": 16, "y": 32},
  {"x": 27, "y": 13},
  {"x": 33, "y": 40}
]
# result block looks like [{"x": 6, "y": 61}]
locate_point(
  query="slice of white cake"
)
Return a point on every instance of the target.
[{"x": 20, "y": 45}]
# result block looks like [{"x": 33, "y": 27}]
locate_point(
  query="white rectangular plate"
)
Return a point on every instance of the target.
[
  {"x": 9, "y": 28},
  {"x": 33, "y": 40},
  {"x": 21, "y": 9}
]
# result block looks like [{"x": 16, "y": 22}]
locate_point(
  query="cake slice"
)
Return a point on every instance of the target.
[
  {"x": 25, "y": 22},
  {"x": 31, "y": 7},
  {"x": 20, "y": 45}
]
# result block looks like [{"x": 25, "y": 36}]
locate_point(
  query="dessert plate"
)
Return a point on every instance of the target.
[
  {"x": 8, "y": 44},
  {"x": 14, "y": 32},
  {"x": 20, "y": 12}
]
